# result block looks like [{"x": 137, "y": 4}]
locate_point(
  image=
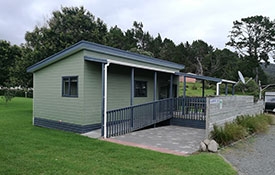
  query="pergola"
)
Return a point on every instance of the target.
[{"x": 206, "y": 78}]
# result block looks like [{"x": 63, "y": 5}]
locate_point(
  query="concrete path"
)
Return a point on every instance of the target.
[
  {"x": 96, "y": 134},
  {"x": 254, "y": 156},
  {"x": 168, "y": 139}
]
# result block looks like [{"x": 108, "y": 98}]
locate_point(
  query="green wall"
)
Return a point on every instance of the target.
[
  {"x": 48, "y": 100},
  {"x": 86, "y": 108},
  {"x": 93, "y": 92}
]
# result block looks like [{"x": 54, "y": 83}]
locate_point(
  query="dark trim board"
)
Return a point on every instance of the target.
[
  {"x": 65, "y": 126},
  {"x": 200, "y": 124}
]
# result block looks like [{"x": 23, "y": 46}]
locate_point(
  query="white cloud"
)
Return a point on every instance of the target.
[{"x": 179, "y": 20}]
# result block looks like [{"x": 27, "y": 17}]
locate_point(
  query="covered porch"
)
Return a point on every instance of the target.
[{"x": 180, "y": 111}]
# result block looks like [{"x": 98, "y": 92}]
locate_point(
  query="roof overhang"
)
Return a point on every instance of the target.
[
  {"x": 199, "y": 77},
  {"x": 84, "y": 45},
  {"x": 207, "y": 78},
  {"x": 98, "y": 60}
]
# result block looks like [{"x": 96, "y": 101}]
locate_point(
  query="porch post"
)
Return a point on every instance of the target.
[
  {"x": 132, "y": 95},
  {"x": 218, "y": 88},
  {"x": 155, "y": 95},
  {"x": 203, "y": 88},
  {"x": 226, "y": 89},
  {"x": 155, "y": 85},
  {"x": 233, "y": 89},
  {"x": 132, "y": 86},
  {"x": 171, "y": 94},
  {"x": 184, "y": 95},
  {"x": 171, "y": 86},
  {"x": 103, "y": 98}
]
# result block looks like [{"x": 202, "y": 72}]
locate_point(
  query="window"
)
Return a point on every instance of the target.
[
  {"x": 70, "y": 86},
  {"x": 140, "y": 89}
]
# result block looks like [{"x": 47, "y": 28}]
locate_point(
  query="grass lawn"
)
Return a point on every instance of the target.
[{"x": 26, "y": 149}]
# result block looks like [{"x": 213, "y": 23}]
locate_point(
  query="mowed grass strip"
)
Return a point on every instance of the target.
[{"x": 26, "y": 149}]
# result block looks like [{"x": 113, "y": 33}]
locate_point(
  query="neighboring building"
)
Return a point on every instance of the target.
[
  {"x": 269, "y": 101},
  {"x": 188, "y": 79},
  {"x": 74, "y": 88}
]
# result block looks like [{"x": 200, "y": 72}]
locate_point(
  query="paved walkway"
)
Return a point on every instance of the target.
[
  {"x": 254, "y": 156},
  {"x": 168, "y": 139}
]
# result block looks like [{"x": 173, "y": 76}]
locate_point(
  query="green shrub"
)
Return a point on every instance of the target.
[
  {"x": 254, "y": 124},
  {"x": 8, "y": 95},
  {"x": 17, "y": 92},
  {"x": 228, "y": 133},
  {"x": 241, "y": 127}
]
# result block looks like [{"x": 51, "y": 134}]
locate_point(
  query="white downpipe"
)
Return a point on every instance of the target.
[
  {"x": 218, "y": 88},
  {"x": 105, "y": 99}
]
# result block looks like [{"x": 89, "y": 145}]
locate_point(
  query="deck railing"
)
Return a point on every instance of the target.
[
  {"x": 128, "y": 119},
  {"x": 192, "y": 108}
]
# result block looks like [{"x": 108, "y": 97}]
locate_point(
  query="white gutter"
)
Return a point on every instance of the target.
[
  {"x": 105, "y": 98},
  {"x": 218, "y": 88}
]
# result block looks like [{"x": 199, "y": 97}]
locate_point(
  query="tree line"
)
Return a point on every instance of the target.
[{"x": 252, "y": 37}]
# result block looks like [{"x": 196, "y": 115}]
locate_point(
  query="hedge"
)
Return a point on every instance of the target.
[{"x": 18, "y": 92}]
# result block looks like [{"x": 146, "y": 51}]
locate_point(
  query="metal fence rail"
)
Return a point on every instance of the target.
[
  {"x": 191, "y": 108},
  {"x": 128, "y": 119}
]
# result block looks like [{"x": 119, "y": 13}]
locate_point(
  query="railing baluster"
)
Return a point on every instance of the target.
[{"x": 124, "y": 120}]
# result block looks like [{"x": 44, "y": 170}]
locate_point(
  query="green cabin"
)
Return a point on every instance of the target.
[{"x": 74, "y": 88}]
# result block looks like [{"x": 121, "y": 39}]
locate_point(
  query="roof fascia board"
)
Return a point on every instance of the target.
[
  {"x": 99, "y": 60},
  {"x": 56, "y": 57}
]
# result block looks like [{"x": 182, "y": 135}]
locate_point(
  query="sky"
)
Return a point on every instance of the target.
[{"x": 178, "y": 20}]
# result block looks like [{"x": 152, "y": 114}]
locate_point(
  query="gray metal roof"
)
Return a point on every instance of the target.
[
  {"x": 199, "y": 77},
  {"x": 85, "y": 45}
]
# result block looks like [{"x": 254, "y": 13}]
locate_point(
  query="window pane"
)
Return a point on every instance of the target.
[
  {"x": 73, "y": 87},
  {"x": 70, "y": 86},
  {"x": 140, "y": 89},
  {"x": 65, "y": 86}
]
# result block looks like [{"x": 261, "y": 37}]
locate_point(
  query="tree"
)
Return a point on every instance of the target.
[
  {"x": 167, "y": 50},
  {"x": 65, "y": 28},
  {"x": 18, "y": 74},
  {"x": 115, "y": 38},
  {"x": 200, "y": 50},
  {"x": 155, "y": 46},
  {"x": 8, "y": 55},
  {"x": 254, "y": 39},
  {"x": 222, "y": 64}
]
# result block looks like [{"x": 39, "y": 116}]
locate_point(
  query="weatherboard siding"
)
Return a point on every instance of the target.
[
  {"x": 93, "y": 92},
  {"x": 119, "y": 87},
  {"x": 148, "y": 76},
  {"x": 48, "y": 101}
]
